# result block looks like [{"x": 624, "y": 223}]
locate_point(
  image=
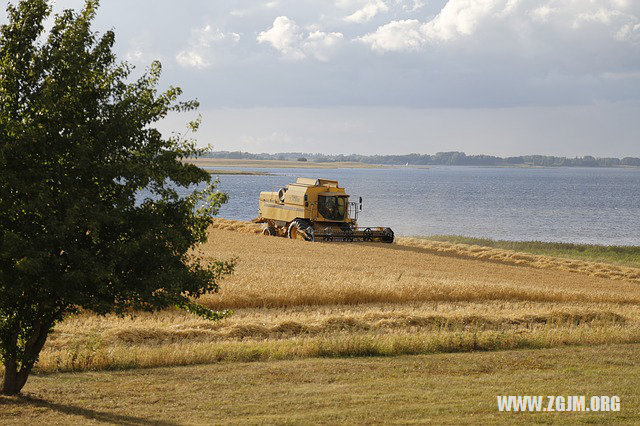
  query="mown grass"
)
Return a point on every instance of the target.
[
  {"x": 619, "y": 255},
  {"x": 440, "y": 389}
]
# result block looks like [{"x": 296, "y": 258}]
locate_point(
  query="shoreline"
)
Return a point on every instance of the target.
[
  {"x": 279, "y": 164},
  {"x": 291, "y": 164},
  {"x": 239, "y": 172}
]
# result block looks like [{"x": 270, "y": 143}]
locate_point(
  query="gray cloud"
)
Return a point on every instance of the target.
[{"x": 384, "y": 55}]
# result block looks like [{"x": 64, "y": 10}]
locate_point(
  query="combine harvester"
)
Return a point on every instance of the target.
[{"x": 315, "y": 210}]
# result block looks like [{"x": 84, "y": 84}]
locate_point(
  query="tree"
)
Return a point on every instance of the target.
[{"x": 77, "y": 148}]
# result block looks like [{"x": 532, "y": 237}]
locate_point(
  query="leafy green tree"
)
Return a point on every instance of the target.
[{"x": 77, "y": 147}]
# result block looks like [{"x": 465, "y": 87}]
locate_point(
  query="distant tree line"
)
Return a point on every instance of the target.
[{"x": 453, "y": 158}]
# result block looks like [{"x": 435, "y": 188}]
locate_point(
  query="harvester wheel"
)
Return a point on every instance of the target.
[
  {"x": 387, "y": 235},
  {"x": 367, "y": 235},
  {"x": 300, "y": 230},
  {"x": 269, "y": 231}
]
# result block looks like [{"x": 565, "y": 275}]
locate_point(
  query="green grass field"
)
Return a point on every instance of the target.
[
  {"x": 444, "y": 389},
  {"x": 619, "y": 255}
]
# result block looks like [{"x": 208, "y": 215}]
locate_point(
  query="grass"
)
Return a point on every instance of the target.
[
  {"x": 443, "y": 389},
  {"x": 620, "y": 255},
  {"x": 320, "y": 312}
]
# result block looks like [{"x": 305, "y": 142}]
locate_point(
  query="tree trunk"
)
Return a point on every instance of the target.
[
  {"x": 32, "y": 352},
  {"x": 10, "y": 379},
  {"x": 14, "y": 379}
]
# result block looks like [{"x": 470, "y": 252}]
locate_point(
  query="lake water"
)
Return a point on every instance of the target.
[{"x": 582, "y": 205}]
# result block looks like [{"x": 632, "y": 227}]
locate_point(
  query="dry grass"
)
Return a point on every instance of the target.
[
  {"x": 294, "y": 299},
  {"x": 440, "y": 389},
  {"x": 277, "y": 272},
  {"x": 603, "y": 270},
  {"x": 87, "y": 342},
  {"x": 237, "y": 226},
  {"x": 617, "y": 255},
  {"x": 509, "y": 257}
]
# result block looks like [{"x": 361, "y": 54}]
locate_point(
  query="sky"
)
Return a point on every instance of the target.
[{"x": 501, "y": 77}]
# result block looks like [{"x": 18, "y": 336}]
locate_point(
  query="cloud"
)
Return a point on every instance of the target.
[
  {"x": 448, "y": 53},
  {"x": 202, "y": 45},
  {"x": 463, "y": 18},
  {"x": 629, "y": 32},
  {"x": 410, "y": 6},
  {"x": 457, "y": 18},
  {"x": 142, "y": 50},
  {"x": 322, "y": 45},
  {"x": 288, "y": 38},
  {"x": 367, "y": 11},
  {"x": 542, "y": 13},
  {"x": 396, "y": 35},
  {"x": 284, "y": 36}
]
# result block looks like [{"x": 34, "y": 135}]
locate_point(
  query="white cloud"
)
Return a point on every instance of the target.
[
  {"x": 457, "y": 18},
  {"x": 510, "y": 7},
  {"x": 141, "y": 50},
  {"x": 463, "y": 18},
  {"x": 460, "y": 18},
  {"x": 200, "y": 52},
  {"x": 367, "y": 11},
  {"x": 288, "y": 38},
  {"x": 410, "y": 6},
  {"x": 396, "y": 35},
  {"x": 321, "y": 45},
  {"x": 621, "y": 4},
  {"x": 602, "y": 16},
  {"x": 542, "y": 13},
  {"x": 192, "y": 59},
  {"x": 629, "y": 32},
  {"x": 625, "y": 27},
  {"x": 284, "y": 36}
]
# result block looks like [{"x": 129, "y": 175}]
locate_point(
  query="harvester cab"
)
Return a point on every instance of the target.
[{"x": 315, "y": 210}]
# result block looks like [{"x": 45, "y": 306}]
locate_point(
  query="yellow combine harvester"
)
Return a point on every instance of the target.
[{"x": 315, "y": 210}]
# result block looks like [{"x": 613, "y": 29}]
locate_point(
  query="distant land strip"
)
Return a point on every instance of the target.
[
  {"x": 239, "y": 172},
  {"x": 453, "y": 158},
  {"x": 212, "y": 165}
]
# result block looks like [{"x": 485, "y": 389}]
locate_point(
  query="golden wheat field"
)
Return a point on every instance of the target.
[{"x": 293, "y": 299}]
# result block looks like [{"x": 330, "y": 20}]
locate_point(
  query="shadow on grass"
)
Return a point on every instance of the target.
[{"x": 88, "y": 414}]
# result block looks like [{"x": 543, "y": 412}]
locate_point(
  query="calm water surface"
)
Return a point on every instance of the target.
[{"x": 583, "y": 205}]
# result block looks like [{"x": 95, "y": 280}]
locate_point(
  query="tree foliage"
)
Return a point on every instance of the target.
[{"x": 77, "y": 147}]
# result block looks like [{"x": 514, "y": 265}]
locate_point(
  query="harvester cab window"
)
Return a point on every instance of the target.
[{"x": 332, "y": 208}]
